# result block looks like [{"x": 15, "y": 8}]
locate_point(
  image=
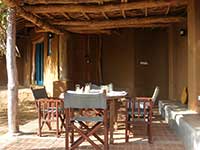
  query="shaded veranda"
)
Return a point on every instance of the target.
[{"x": 163, "y": 137}]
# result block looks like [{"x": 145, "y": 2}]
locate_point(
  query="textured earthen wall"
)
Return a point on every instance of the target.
[
  {"x": 179, "y": 60},
  {"x": 118, "y": 60},
  {"x": 51, "y": 64},
  {"x": 123, "y": 55}
]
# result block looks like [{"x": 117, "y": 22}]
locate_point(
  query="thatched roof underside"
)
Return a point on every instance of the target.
[{"x": 97, "y": 16}]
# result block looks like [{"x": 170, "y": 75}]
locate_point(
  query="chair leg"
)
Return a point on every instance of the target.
[
  {"x": 62, "y": 119},
  {"x": 127, "y": 132},
  {"x": 39, "y": 123},
  {"x": 72, "y": 136},
  {"x": 48, "y": 122},
  {"x": 149, "y": 133},
  {"x": 106, "y": 147},
  {"x": 127, "y": 128},
  {"x": 67, "y": 127},
  {"x": 57, "y": 125},
  {"x": 149, "y": 129}
]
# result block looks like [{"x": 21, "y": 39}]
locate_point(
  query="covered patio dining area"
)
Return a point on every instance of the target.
[
  {"x": 136, "y": 45},
  {"x": 164, "y": 138}
]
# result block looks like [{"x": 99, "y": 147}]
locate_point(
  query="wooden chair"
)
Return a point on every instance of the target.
[
  {"x": 139, "y": 111},
  {"x": 49, "y": 110},
  {"x": 81, "y": 123}
]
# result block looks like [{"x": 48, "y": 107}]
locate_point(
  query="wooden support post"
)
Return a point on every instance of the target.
[
  {"x": 62, "y": 56},
  {"x": 171, "y": 63},
  {"x": 193, "y": 54},
  {"x": 12, "y": 94},
  {"x": 33, "y": 66}
]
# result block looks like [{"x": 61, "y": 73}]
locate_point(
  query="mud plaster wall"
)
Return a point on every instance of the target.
[{"x": 122, "y": 59}]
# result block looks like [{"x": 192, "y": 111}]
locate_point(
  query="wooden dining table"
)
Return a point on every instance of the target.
[{"x": 113, "y": 98}]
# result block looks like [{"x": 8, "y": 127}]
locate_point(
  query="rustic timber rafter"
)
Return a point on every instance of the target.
[
  {"x": 168, "y": 8},
  {"x": 108, "y": 32},
  {"x": 99, "y": 8},
  {"x": 79, "y": 28},
  {"x": 105, "y": 16},
  {"x": 98, "y": 17},
  {"x": 146, "y": 12},
  {"x": 33, "y": 2},
  {"x": 32, "y": 18},
  {"x": 123, "y": 13},
  {"x": 124, "y": 1},
  {"x": 86, "y": 16},
  {"x": 121, "y": 22},
  {"x": 66, "y": 16},
  {"x": 96, "y": 31},
  {"x": 49, "y": 16}
]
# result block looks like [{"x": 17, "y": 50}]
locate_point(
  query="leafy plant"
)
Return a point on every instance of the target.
[{"x": 3, "y": 25}]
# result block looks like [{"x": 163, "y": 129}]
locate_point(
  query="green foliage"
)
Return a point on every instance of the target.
[{"x": 3, "y": 25}]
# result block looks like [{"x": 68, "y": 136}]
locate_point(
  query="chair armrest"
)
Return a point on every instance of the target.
[
  {"x": 49, "y": 100},
  {"x": 143, "y": 98},
  {"x": 55, "y": 98}
]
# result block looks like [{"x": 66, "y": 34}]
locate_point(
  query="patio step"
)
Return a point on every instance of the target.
[{"x": 185, "y": 122}]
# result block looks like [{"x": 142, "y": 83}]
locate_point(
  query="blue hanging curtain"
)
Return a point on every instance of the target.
[{"x": 39, "y": 63}]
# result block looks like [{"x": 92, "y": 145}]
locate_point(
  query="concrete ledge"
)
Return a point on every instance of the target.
[{"x": 186, "y": 123}]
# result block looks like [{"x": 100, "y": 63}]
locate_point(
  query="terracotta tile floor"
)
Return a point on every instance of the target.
[{"x": 163, "y": 139}]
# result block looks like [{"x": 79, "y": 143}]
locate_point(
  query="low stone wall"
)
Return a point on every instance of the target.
[
  {"x": 24, "y": 94},
  {"x": 185, "y": 122}
]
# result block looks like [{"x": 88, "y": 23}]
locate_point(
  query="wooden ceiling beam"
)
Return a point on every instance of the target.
[
  {"x": 101, "y": 2},
  {"x": 86, "y": 16},
  {"x": 92, "y": 31},
  {"x": 105, "y": 16},
  {"x": 99, "y": 8},
  {"x": 167, "y": 12},
  {"x": 34, "y": 2},
  {"x": 123, "y": 13},
  {"x": 106, "y": 30},
  {"x": 38, "y": 30},
  {"x": 146, "y": 20},
  {"x": 124, "y": 1},
  {"x": 49, "y": 16},
  {"x": 32, "y": 18},
  {"x": 146, "y": 12},
  {"x": 80, "y": 28},
  {"x": 66, "y": 16}
]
